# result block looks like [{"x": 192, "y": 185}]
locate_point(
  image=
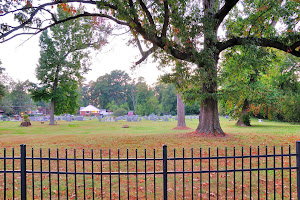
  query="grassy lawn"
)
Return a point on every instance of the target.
[
  {"x": 143, "y": 135},
  {"x": 152, "y": 135}
]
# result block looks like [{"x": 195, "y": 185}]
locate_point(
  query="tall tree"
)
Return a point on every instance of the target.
[
  {"x": 113, "y": 86},
  {"x": 241, "y": 80},
  {"x": 258, "y": 84},
  {"x": 195, "y": 26},
  {"x": 168, "y": 98},
  {"x": 177, "y": 78},
  {"x": 19, "y": 96},
  {"x": 146, "y": 102},
  {"x": 64, "y": 60}
]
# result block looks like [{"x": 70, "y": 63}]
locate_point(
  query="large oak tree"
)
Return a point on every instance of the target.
[{"x": 194, "y": 24}]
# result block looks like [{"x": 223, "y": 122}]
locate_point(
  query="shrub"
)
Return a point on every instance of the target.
[
  {"x": 246, "y": 119},
  {"x": 26, "y": 118},
  {"x": 120, "y": 112},
  {"x": 173, "y": 113}
]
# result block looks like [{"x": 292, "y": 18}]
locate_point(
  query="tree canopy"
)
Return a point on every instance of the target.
[{"x": 63, "y": 61}]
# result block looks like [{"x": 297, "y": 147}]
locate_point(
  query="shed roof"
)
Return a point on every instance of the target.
[{"x": 90, "y": 108}]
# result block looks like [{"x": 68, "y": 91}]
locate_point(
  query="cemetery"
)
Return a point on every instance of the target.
[{"x": 108, "y": 99}]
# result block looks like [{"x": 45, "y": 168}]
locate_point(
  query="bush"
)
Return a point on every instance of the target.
[
  {"x": 246, "y": 119},
  {"x": 173, "y": 113},
  {"x": 120, "y": 112},
  {"x": 26, "y": 118}
]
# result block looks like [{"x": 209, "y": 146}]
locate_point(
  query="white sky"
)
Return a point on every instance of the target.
[{"x": 20, "y": 60}]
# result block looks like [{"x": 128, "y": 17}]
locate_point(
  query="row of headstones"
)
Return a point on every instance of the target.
[
  {"x": 58, "y": 118},
  {"x": 6, "y": 119},
  {"x": 168, "y": 117},
  {"x": 134, "y": 118},
  {"x": 152, "y": 117}
]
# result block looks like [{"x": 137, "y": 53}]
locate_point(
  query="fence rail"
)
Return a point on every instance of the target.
[{"x": 229, "y": 173}]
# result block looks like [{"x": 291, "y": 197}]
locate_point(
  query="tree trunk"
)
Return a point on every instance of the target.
[
  {"x": 209, "y": 123},
  {"x": 209, "y": 119},
  {"x": 180, "y": 112},
  {"x": 52, "y": 106},
  {"x": 245, "y": 111},
  {"x": 52, "y": 112},
  {"x": 133, "y": 98}
]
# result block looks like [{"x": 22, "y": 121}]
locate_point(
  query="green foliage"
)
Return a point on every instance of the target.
[
  {"x": 166, "y": 94},
  {"x": 112, "y": 106},
  {"x": 173, "y": 113},
  {"x": 118, "y": 90},
  {"x": 120, "y": 112},
  {"x": 291, "y": 108},
  {"x": 2, "y": 87},
  {"x": 110, "y": 87},
  {"x": 66, "y": 98},
  {"x": 245, "y": 75},
  {"x": 26, "y": 118},
  {"x": 246, "y": 119},
  {"x": 64, "y": 60},
  {"x": 16, "y": 99},
  {"x": 125, "y": 106},
  {"x": 146, "y": 101},
  {"x": 192, "y": 109}
]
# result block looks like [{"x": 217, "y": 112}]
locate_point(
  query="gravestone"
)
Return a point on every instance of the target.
[{"x": 79, "y": 118}]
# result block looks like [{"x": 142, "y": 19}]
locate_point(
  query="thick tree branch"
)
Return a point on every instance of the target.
[
  {"x": 166, "y": 19},
  {"x": 221, "y": 14},
  {"x": 139, "y": 45},
  {"x": 42, "y": 7},
  {"x": 149, "y": 16},
  {"x": 292, "y": 49},
  {"x": 86, "y": 14},
  {"x": 17, "y": 10},
  {"x": 145, "y": 55}
]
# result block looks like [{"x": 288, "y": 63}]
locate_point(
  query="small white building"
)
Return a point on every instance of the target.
[{"x": 89, "y": 110}]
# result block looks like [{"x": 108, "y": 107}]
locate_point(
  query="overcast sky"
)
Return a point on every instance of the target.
[{"x": 20, "y": 58}]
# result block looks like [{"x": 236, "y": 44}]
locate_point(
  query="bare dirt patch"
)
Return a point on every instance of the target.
[
  {"x": 196, "y": 134},
  {"x": 182, "y": 128}
]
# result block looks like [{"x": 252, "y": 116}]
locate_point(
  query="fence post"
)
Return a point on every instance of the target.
[
  {"x": 298, "y": 167},
  {"x": 23, "y": 171},
  {"x": 165, "y": 170}
]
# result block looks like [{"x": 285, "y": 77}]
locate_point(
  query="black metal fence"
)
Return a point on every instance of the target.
[{"x": 230, "y": 173}]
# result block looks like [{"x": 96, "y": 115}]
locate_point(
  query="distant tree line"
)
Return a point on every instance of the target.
[{"x": 117, "y": 91}]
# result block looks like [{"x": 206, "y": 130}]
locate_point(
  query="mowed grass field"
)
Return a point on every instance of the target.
[
  {"x": 110, "y": 136},
  {"x": 143, "y": 135}
]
